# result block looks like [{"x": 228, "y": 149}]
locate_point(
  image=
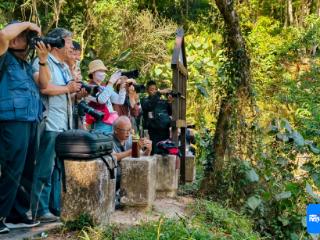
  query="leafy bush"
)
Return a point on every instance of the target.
[{"x": 83, "y": 221}]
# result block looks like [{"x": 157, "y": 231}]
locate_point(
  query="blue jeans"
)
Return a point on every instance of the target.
[
  {"x": 41, "y": 186},
  {"x": 103, "y": 127}
]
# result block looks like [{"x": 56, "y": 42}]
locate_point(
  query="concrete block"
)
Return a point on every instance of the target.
[
  {"x": 190, "y": 168},
  {"x": 138, "y": 181},
  {"x": 89, "y": 190},
  {"x": 167, "y": 176}
]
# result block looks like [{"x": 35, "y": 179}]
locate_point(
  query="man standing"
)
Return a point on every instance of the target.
[
  {"x": 58, "y": 118},
  {"x": 157, "y": 114},
  {"x": 20, "y": 111}
]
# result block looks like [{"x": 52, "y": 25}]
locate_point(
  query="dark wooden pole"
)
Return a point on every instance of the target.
[{"x": 179, "y": 84}]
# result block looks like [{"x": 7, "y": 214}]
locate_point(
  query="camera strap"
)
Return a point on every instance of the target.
[
  {"x": 17, "y": 50},
  {"x": 111, "y": 170}
]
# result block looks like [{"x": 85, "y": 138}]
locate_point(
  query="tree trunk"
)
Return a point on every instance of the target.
[
  {"x": 240, "y": 79},
  {"x": 290, "y": 12}
]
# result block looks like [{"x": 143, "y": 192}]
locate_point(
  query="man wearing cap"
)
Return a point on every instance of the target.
[
  {"x": 20, "y": 111},
  {"x": 58, "y": 118},
  {"x": 106, "y": 97}
]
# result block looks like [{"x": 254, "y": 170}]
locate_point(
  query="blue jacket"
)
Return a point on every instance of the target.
[{"x": 19, "y": 95}]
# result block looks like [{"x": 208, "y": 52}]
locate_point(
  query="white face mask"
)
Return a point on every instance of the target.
[{"x": 99, "y": 75}]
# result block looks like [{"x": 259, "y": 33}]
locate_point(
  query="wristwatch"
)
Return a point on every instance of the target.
[{"x": 42, "y": 64}]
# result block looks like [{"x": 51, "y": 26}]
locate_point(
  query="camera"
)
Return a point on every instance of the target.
[
  {"x": 174, "y": 94},
  {"x": 84, "y": 108},
  {"x": 91, "y": 89},
  {"x": 131, "y": 74},
  {"x": 33, "y": 39},
  {"x": 139, "y": 88}
]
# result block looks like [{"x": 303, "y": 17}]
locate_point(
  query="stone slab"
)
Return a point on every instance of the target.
[
  {"x": 138, "y": 181},
  {"x": 167, "y": 176},
  {"x": 89, "y": 190},
  {"x": 190, "y": 173},
  {"x": 30, "y": 233}
]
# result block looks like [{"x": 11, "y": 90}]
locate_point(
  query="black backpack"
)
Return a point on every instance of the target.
[{"x": 161, "y": 118}]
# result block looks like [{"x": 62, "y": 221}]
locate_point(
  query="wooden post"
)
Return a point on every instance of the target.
[{"x": 179, "y": 85}]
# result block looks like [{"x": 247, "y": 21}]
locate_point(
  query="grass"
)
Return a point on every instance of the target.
[{"x": 207, "y": 220}]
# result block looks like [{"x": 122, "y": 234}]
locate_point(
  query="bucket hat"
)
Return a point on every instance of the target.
[{"x": 96, "y": 65}]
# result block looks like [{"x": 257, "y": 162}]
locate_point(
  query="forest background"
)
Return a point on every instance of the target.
[{"x": 271, "y": 167}]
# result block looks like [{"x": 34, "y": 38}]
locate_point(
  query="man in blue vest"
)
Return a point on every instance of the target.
[{"x": 20, "y": 111}]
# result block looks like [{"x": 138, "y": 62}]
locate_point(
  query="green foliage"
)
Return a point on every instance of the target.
[
  {"x": 278, "y": 203},
  {"x": 83, "y": 221}
]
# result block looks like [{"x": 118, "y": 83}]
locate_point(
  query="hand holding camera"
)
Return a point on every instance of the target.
[
  {"x": 74, "y": 86},
  {"x": 42, "y": 51}
]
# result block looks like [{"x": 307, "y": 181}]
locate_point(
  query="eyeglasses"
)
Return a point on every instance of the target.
[{"x": 124, "y": 130}]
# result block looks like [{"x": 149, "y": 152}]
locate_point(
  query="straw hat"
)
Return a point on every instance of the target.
[{"x": 96, "y": 65}]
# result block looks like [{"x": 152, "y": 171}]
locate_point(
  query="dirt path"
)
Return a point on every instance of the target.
[{"x": 167, "y": 207}]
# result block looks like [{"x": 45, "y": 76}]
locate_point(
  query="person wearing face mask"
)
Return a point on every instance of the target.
[{"x": 105, "y": 97}]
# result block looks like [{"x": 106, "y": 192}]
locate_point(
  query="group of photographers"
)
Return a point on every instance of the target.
[{"x": 37, "y": 102}]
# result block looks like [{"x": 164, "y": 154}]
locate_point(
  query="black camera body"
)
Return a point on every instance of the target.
[
  {"x": 83, "y": 108},
  {"x": 91, "y": 89},
  {"x": 139, "y": 88},
  {"x": 131, "y": 74},
  {"x": 33, "y": 39},
  {"x": 174, "y": 94}
]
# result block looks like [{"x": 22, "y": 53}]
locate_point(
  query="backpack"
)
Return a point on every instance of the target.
[
  {"x": 161, "y": 118},
  {"x": 167, "y": 147}
]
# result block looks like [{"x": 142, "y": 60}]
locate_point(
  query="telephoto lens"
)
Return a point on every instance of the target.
[
  {"x": 83, "y": 107},
  {"x": 33, "y": 39}
]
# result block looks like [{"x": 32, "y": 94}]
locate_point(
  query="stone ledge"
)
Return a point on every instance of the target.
[
  {"x": 27, "y": 233},
  {"x": 138, "y": 181},
  {"x": 89, "y": 190}
]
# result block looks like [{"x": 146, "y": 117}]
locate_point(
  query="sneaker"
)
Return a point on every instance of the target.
[
  {"x": 48, "y": 217},
  {"x": 21, "y": 223},
  {"x": 3, "y": 227}
]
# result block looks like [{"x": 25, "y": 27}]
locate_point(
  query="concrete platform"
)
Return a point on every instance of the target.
[
  {"x": 138, "y": 181},
  {"x": 167, "y": 176},
  {"x": 28, "y": 233},
  {"x": 90, "y": 190}
]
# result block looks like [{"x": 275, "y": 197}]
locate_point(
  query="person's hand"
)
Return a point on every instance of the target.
[
  {"x": 131, "y": 81},
  {"x": 131, "y": 90},
  {"x": 82, "y": 93},
  {"x": 34, "y": 27},
  {"x": 74, "y": 86},
  {"x": 170, "y": 98},
  {"x": 122, "y": 81},
  {"x": 42, "y": 51},
  {"x": 148, "y": 146},
  {"x": 114, "y": 77}
]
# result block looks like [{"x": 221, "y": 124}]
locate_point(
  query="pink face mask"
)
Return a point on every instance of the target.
[{"x": 99, "y": 75}]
